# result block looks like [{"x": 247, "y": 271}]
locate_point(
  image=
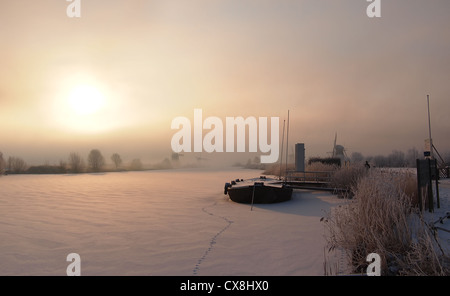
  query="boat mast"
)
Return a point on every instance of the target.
[
  {"x": 429, "y": 127},
  {"x": 281, "y": 156},
  {"x": 287, "y": 146}
]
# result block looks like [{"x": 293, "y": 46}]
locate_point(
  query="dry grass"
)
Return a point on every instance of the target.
[
  {"x": 274, "y": 169},
  {"x": 381, "y": 219},
  {"x": 320, "y": 167},
  {"x": 348, "y": 177},
  {"x": 407, "y": 183}
]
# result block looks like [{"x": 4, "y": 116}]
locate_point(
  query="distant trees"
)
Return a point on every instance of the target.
[
  {"x": 395, "y": 159},
  {"x": 16, "y": 165},
  {"x": 62, "y": 166},
  {"x": 411, "y": 157},
  {"x": 447, "y": 157},
  {"x": 136, "y": 164},
  {"x": 356, "y": 157},
  {"x": 75, "y": 163},
  {"x": 2, "y": 164},
  {"x": 45, "y": 169},
  {"x": 116, "y": 160},
  {"x": 96, "y": 160}
]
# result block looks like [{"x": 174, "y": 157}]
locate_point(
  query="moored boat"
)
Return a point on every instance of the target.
[{"x": 258, "y": 190}]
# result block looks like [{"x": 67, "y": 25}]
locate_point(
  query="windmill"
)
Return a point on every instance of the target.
[
  {"x": 333, "y": 154},
  {"x": 338, "y": 151}
]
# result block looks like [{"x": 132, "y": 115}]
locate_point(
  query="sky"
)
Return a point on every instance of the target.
[{"x": 116, "y": 77}]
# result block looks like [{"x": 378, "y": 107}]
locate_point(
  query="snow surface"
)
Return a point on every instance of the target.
[
  {"x": 430, "y": 218},
  {"x": 175, "y": 222}
]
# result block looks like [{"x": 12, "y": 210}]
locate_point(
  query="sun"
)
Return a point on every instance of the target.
[
  {"x": 86, "y": 104},
  {"x": 85, "y": 99}
]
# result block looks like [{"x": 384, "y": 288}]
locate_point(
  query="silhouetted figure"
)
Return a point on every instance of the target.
[{"x": 367, "y": 165}]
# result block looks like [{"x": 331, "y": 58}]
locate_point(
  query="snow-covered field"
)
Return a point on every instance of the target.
[
  {"x": 175, "y": 222},
  {"x": 444, "y": 198}
]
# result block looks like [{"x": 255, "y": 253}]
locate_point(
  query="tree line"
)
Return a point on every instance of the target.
[
  {"x": 75, "y": 164},
  {"x": 395, "y": 159},
  {"x": 97, "y": 163}
]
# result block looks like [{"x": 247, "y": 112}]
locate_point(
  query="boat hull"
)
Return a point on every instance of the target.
[{"x": 261, "y": 194}]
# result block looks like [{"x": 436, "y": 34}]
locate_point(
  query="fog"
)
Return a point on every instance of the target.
[{"x": 334, "y": 68}]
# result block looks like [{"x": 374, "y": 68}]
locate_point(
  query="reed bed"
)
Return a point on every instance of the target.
[
  {"x": 382, "y": 218},
  {"x": 347, "y": 178}
]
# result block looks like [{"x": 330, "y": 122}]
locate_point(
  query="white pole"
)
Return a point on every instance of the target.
[
  {"x": 429, "y": 127},
  {"x": 287, "y": 145},
  {"x": 281, "y": 156}
]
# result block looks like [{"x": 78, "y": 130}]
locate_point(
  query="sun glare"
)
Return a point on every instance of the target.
[
  {"x": 84, "y": 103},
  {"x": 86, "y": 99}
]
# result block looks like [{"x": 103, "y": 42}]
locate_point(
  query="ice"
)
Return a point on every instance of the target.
[{"x": 174, "y": 222}]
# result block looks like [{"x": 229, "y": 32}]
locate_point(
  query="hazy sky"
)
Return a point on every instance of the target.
[{"x": 142, "y": 63}]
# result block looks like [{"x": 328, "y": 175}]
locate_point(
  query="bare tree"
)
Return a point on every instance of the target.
[
  {"x": 2, "y": 164},
  {"x": 96, "y": 160},
  {"x": 116, "y": 159},
  {"x": 16, "y": 165},
  {"x": 380, "y": 161},
  {"x": 411, "y": 157},
  {"x": 396, "y": 159},
  {"x": 75, "y": 162}
]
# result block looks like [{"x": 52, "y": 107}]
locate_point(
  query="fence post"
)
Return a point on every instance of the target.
[
  {"x": 419, "y": 183},
  {"x": 437, "y": 182},
  {"x": 430, "y": 188}
]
